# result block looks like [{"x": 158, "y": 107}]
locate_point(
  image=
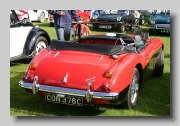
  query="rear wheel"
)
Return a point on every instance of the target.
[
  {"x": 41, "y": 43},
  {"x": 142, "y": 21},
  {"x": 159, "y": 65},
  {"x": 133, "y": 90},
  {"x": 122, "y": 28}
]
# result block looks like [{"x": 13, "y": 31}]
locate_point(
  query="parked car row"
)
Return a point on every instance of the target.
[{"x": 113, "y": 19}]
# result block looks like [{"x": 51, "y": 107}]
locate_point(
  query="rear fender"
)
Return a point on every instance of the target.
[
  {"x": 123, "y": 74},
  {"x": 31, "y": 39}
]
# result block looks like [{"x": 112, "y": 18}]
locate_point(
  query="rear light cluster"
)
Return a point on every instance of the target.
[
  {"x": 111, "y": 70},
  {"x": 29, "y": 76},
  {"x": 108, "y": 74},
  {"x": 28, "y": 79},
  {"x": 104, "y": 88}
]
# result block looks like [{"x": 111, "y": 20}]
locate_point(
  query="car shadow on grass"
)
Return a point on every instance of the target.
[
  {"x": 44, "y": 24},
  {"x": 24, "y": 61}
]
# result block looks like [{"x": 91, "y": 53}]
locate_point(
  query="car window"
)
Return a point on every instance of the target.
[{"x": 13, "y": 18}]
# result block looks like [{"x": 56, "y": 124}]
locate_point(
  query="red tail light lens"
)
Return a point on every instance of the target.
[
  {"x": 104, "y": 88},
  {"x": 28, "y": 79}
]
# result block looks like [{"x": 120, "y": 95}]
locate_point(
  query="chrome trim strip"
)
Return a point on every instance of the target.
[
  {"x": 100, "y": 58},
  {"x": 67, "y": 91},
  {"x": 65, "y": 78}
]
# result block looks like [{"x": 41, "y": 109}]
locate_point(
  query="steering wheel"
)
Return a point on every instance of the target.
[{"x": 124, "y": 43}]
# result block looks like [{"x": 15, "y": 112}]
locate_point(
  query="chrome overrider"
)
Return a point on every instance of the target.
[{"x": 67, "y": 91}]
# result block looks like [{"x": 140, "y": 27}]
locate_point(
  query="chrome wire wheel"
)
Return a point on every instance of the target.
[
  {"x": 134, "y": 89},
  {"x": 132, "y": 94},
  {"x": 40, "y": 45},
  {"x": 42, "y": 17}
]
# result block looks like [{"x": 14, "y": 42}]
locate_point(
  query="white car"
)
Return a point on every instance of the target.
[
  {"x": 26, "y": 40},
  {"x": 38, "y": 15}
]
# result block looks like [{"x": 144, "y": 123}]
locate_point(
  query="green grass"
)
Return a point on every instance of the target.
[{"x": 153, "y": 100}]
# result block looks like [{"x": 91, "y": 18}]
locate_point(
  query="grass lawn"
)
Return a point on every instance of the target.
[{"x": 153, "y": 100}]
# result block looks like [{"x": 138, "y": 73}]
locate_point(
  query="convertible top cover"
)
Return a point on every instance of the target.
[{"x": 94, "y": 48}]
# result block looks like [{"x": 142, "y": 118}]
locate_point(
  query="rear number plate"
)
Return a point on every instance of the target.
[{"x": 77, "y": 101}]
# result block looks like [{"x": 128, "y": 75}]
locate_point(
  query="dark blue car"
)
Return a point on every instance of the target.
[
  {"x": 110, "y": 19},
  {"x": 159, "y": 21}
]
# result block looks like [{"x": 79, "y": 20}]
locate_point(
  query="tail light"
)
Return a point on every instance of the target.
[
  {"x": 29, "y": 76},
  {"x": 110, "y": 71},
  {"x": 32, "y": 66},
  {"x": 104, "y": 88},
  {"x": 108, "y": 74}
]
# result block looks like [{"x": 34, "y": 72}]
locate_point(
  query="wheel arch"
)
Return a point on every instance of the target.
[
  {"x": 33, "y": 35},
  {"x": 140, "y": 69}
]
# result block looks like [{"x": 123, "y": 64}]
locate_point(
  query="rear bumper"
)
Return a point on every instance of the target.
[{"x": 67, "y": 91}]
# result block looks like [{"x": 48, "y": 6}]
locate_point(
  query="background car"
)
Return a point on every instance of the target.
[
  {"x": 110, "y": 19},
  {"x": 159, "y": 22},
  {"x": 26, "y": 40},
  {"x": 102, "y": 69},
  {"x": 38, "y": 15}
]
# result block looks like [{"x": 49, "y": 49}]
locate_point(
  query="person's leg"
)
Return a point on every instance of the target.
[
  {"x": 67, "y": 33},
  {"x": 60, "y": 33}
]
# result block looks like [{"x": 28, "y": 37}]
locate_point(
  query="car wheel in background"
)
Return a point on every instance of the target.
[
  {"x": 42, "y": 17},
  {"x": 122, "y": 28},
  {"x": 159, "y": 65},
  {"x": 52, "y": 24},
  {"x": 151, "y": 32},
  {"x": 142, "y": 21},
  {"x": 133, "y": 90},
  {"x": 41, "y": 43}
]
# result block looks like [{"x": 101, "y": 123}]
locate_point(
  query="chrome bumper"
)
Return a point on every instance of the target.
[
  {"x": 67, "y": 91},
  {"x": 160, "y": 26}
]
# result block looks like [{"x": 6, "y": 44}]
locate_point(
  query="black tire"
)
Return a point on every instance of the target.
[
  {"x": 142, "y": 21},
  {"x": 42, "y": 17},
  {"x": 159, "y": 65},
  {"x": 122, "y": 28},
  {"x": 133, "y": 90},
  {"x": 41, "y": 43},
  {"x": 95, "y": 27},
  {"x": 130, "y": 27},
  {"x": 151, "y": 32}
]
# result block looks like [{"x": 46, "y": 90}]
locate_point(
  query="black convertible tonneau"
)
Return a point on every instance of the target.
[{"x": 95, "y": 48}]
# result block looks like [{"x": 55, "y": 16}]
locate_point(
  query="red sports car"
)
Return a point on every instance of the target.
[{"x": 102, "y": 69}]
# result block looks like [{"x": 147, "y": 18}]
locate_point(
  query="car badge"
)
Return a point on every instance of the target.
[{"x": 65, "y": 78}]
